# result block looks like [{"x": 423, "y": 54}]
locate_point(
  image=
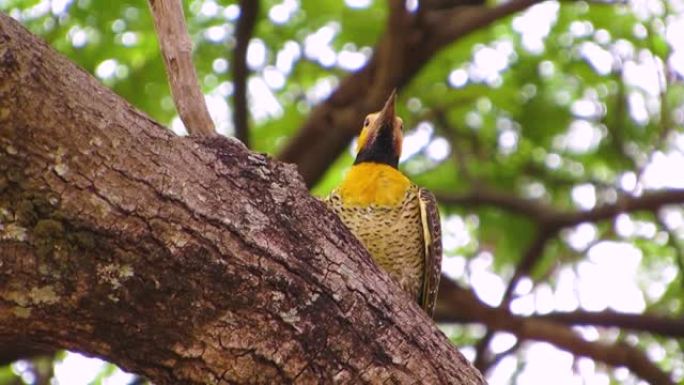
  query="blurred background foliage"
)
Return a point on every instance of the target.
[{"x": 572, "y": 105}]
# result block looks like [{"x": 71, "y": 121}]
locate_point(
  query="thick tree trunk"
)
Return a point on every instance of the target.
[{"x": 186, "y": 260}]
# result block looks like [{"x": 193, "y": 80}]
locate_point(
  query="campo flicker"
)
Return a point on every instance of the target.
[{"x": 397, "y": 221}]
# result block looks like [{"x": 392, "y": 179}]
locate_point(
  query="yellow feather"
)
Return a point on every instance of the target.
[
  {"x": 367, "y": 128},
  {"x": 363, "y": 138},
  {"x": 373, "y": 184}
]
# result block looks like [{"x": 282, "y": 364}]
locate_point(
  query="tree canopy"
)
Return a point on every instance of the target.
[{"x": 552, "y": 134}]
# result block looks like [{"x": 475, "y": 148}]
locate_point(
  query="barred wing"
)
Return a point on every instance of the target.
[{"x": 432, "y": 238}]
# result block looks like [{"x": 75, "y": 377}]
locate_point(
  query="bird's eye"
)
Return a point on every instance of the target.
[{"x": 366, "y": 122}]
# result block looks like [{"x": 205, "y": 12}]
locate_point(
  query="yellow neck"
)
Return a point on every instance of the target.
[{"x": 373, "y": 184}]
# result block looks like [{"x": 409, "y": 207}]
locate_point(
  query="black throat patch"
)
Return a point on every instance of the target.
[{"x": 380, "y": 150}]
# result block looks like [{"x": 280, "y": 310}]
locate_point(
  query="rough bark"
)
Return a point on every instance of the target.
[{"x": 187, "y": 260}]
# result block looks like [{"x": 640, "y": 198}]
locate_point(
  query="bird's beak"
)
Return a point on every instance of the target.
[
  {"x": 386, "y": 116},
  {"x": 381, "y": 141}
]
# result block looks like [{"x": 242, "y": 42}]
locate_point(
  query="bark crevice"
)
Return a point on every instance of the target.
[{"x": 187, "y": 260}]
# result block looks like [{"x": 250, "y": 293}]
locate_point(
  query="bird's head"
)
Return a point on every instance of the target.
[{"x": 381, "y": 136}]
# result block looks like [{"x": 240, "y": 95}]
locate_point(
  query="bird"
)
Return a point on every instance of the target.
[{"x": 396, "y": 220}]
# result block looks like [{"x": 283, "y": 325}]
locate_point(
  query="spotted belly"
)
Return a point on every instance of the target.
[{"x": 392, "y": 235}]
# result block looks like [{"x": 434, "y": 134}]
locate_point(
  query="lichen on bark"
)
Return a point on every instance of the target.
[{"x": 187, "y": 260}]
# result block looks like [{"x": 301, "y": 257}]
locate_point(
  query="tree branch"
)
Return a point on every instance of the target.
[
  {"x": 533, "y": 209},
  {"x": 649, "y": 201},
  {"x": 249, "y": 9},
  {"x": 550, "y": 217},
  {"x": 445, "y": 4},
  {"x": 648, "y": 323},
  {"x": 333, "y": 123},
  {"x": 533, "y": 253},
  {"x": 458, "y": 22},
  {"x": 674, "y": 243},
  {"x": 549, "y": 222},
  {"x": 186, "y": 260},
  {"x": 666, "y": 327},
  {"x": 20, "y": 348},
  {"x": 176, "y": 48},
  {"x": 471, "y": 309}
]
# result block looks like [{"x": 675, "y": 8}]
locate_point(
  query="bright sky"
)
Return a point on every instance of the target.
[{"x": 581, "y": 285}]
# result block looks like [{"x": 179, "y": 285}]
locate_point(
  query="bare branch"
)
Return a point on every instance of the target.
[
  {"x": 674, "y": 243},
  {"x": 667, "y": 327},
  {"x": 472, "y": 310},
  {"x": 529, "y": 259},
  {"x": 500, "y": 356},
  {"x": 333, "y": 123},
  {"x": 249, "y": 9},
  {"x": 461, "y": 21},
  {"x": 549, "y": 223},
  {"x": 650, "y": 201},
  {"x": 445, "y": 4},
  {"x": 552, "y": 219},
  {"x": 533, "y": 209},
  {"x": 176, "y": 48},
  {"x": 532, "y": 255},
  {"x": 648, "y": 323},
  {"x": 482, "y": 360}
]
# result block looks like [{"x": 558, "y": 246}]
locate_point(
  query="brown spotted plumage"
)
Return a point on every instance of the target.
[{"x": 397, "y": 221}]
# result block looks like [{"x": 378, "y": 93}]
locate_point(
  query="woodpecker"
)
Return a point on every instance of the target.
[{"x": 397, "y": 221}]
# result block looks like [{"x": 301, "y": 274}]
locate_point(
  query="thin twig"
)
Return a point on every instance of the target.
[
  {"x": 482, "y": 359},
  {"x": 176, "y": 48},
  {"x": 529, "y": 259},
  {"x": 450, "y": 133},
  {"x": 673, "y": 242},
  {"x": 249, "y": 9},
  {"x": 500, "y": 356},
  {"x": 532, "y": 255}
]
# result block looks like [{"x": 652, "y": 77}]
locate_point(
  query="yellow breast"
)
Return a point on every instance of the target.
[
  {"x": 373, "y": 184},
  {"x": 381, "y": 208}
]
